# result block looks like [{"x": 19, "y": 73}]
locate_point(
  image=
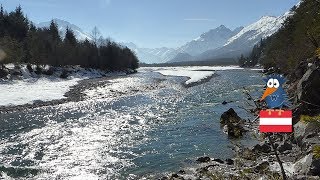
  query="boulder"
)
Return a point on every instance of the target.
[
  {"x": 218, "y": 160},
  {"x": 306, "y": 133},
  {"x": 264, "y": 148},
  {"x": 284, "y": 146},
  {"x": 229, "y": 162},
  {"x": 308, "y": 90},
  {"x": 308, "y": 165},
  {"x": 203, "y": 159},
  {"x": 262, "y": 167},
  {"x": 232, "y": 123},
  {"x": 230, "y": 116},
  {"x": 235, "y": 130},
  {"x": 315, "y": 167}
]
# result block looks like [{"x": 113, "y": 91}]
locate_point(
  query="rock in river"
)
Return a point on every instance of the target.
[{"x": 232, "y": 123}]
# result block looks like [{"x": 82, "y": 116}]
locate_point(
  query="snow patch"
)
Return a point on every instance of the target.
[
  {"x": 195, "y": 73},
  {"x": 120, "y": 85},
  {"x": 30, "y": 88},
  {"x": 28, "y": 91},
  {"x": 195, "y": 76}
]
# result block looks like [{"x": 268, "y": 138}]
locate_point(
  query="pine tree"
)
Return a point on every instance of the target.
[
  {"x": 70, "y": 37},
  {"x": 54, "y": 32}
]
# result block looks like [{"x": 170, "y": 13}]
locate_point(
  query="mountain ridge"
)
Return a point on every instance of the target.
[
  {"x": 63, "y": 25},
  {"x": 244, "y": 40}
]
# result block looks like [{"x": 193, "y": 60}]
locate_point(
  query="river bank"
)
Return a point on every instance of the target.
[
  {"x": 23, "y": 82},
  {"x": 299, "y": 152}
]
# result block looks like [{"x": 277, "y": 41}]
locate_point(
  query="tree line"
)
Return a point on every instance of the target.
[
  {"x": 22, "y": 42},
  {"x": 298, "y": 39}
]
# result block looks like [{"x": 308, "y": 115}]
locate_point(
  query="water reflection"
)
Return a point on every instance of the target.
[{"x": 151, "y": 131}]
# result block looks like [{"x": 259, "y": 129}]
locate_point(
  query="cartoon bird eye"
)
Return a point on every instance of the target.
[
  {"x": 270, "y": 83},
  {"x": 276, "y": 83}
]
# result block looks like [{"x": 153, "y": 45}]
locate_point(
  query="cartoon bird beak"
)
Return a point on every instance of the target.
[{"x": 268, "y": 92}]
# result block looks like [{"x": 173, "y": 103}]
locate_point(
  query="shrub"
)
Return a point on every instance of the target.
[
  {"x": 316, "y": 151},
  {"x": 307, "y": 119}
]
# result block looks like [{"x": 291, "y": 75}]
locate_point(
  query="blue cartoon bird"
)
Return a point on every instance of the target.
[{"x": 274, "y": 95}]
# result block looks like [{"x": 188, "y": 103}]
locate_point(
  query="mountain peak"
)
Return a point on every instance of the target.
[
  {"x": 266, "y": 17},
  {"x": 222, "y": 27},
  {"x": 63, "y": 25}
]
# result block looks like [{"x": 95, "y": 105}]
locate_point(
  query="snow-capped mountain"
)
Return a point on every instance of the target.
[
  {"x": 212, "y": 39},
  {"x": 243, "y": 42},
  {"x": 62, "y": 26},
  {"x": 152, "y": 55}
]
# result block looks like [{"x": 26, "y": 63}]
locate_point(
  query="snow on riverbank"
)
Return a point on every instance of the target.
[
  {"x": 30, "y": 87},
  {"x": 20, "y": 92},
  {"x": 195, "y": 73},
  {"x": 195, "y": 76}
]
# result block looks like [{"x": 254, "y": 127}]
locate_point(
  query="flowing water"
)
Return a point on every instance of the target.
[{"x": 144, "y": 134}]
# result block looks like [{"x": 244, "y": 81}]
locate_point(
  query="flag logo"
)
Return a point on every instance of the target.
[{"x": 275, "y": 120}]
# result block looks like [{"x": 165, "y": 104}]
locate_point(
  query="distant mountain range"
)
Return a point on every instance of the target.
[
  {"x": 243, "y": 42},
  {"x": 212, "y": 39},
  {"x": 217, "y": 43},
  {"x": 152, "y": 55}
]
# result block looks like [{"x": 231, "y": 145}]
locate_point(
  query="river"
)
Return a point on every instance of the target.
[{"x": 160, "y": 129}]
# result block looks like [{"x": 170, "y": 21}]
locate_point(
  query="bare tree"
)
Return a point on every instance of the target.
[
  {"x": 95, "y": 34},
  {"x": 101, "y": 41}
]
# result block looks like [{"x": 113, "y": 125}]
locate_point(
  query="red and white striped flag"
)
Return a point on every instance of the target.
[{"x": 275, "y": 120}]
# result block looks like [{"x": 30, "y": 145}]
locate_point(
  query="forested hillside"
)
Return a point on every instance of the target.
[
  {"x": 298, "y": 40},
  {"x": 22, "y": 42}
]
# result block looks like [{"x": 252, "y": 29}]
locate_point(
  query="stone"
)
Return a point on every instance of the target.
[
  {"x": 235, "y": 131},
  {"x": 229, "y": 162},
  {"x": 248, "y": 154},
  {"x": 262, "y": 167},
  {"x": 218, "y": 160},
  {"x": 315, "y": 167},
  {"x": 232, "y": 124},
  {"x": 264, "y": 148},
  {"x": 284, "y": 146},
  {"x": 203, "y": 159},
  {"x": 308, "y": 90},
  {"x": 302, "y": 166},
  {"x": 176, "y": 177},
  {"x": 229, "y": 116}
]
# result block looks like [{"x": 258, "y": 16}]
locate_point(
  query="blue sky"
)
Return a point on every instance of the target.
[{"x": 152, "y": 23}]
